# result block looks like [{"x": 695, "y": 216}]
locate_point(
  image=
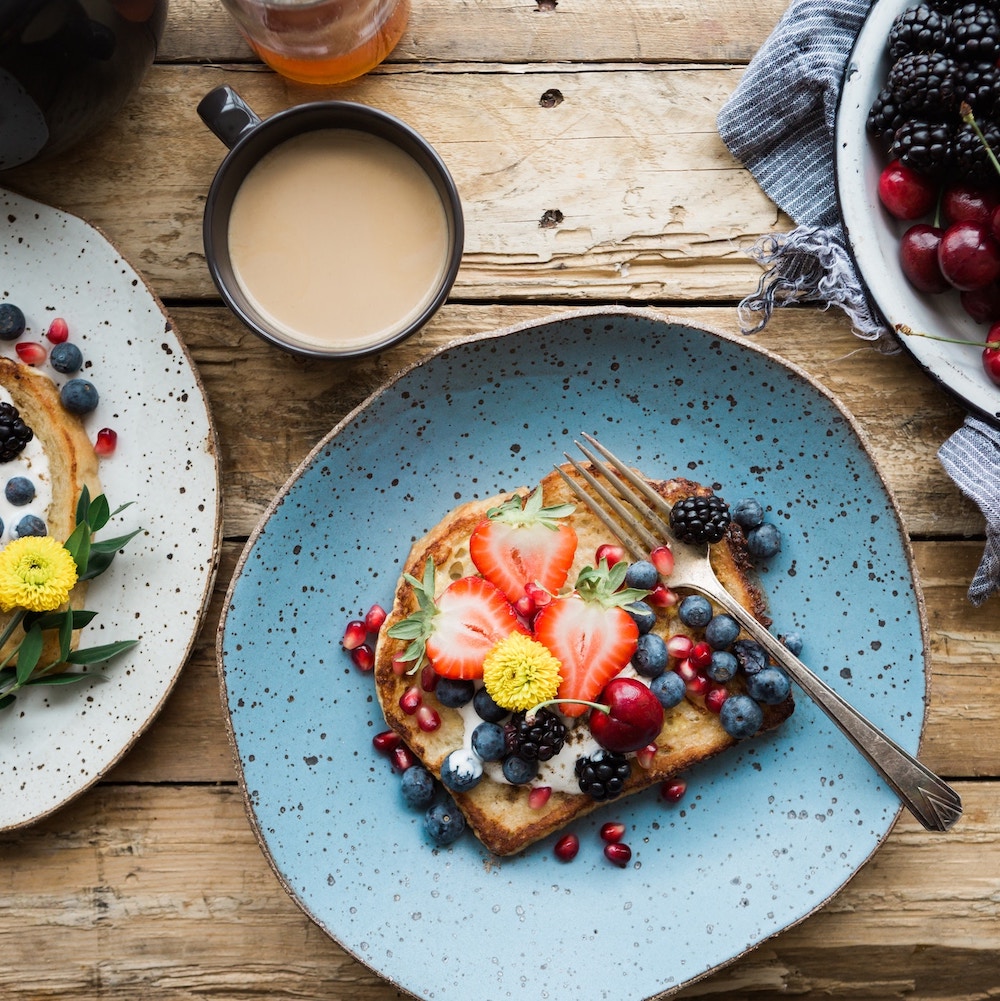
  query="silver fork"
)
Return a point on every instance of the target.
[{"x": 934, "y": 803}]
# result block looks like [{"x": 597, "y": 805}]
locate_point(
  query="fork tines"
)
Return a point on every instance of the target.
[{"x": 640, "y": 527}]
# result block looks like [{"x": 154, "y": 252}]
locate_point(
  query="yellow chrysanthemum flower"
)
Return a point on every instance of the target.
[
  {"x": 519, "y": 673},
  {"x": 36, "y": 573}
]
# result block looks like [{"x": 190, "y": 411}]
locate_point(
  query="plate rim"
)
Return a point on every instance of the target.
[
  {"x": 498, "y": 334},
  {"x": 199, "y": 619}
]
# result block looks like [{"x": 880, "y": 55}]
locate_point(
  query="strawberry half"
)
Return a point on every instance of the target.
[
  {"x": 522, "y": 543},
  {"x": 590, "y": 633},
  {"x": 458, "y": 630}
]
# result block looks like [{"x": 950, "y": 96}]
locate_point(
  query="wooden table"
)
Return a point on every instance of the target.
[{"x": 581, "y": 135}]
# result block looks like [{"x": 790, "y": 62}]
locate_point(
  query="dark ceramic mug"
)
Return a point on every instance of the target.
[{"x": 249, "y": 139}]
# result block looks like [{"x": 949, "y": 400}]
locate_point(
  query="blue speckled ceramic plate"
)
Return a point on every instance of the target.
[
  {"x": 58, "y": 742},
  {"x": 766, "y": 834}
]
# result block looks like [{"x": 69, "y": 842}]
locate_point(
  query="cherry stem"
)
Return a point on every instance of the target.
[
  {"x": 529, "y": 716},
  {"x": 991, "y": 345}
]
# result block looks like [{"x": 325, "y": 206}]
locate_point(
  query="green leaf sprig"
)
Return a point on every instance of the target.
[{"x": 23, "y": 667}]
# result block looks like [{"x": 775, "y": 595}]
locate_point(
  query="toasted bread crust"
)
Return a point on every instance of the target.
[
  {"x": 71, "y": 457},
  {"x": 500, "y": 814}
]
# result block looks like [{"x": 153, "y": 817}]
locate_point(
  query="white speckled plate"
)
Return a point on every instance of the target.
[
  {"x": 873, "y": 235},
  {"x": 766, "y": 834},
  {"x": 57, "y": 742}
]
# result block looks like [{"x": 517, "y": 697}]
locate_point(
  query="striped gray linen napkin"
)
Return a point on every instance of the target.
[{"x": 779, "y": 123}]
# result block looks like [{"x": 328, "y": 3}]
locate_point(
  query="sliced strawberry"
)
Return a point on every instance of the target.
[
  {"x": 456, "y": 631},
  {"x": 523, "y": 543},
  {"x": 589, "y": 632}
]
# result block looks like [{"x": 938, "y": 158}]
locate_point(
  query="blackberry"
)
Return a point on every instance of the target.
[
  {"x": 700, "y": 519},
  {"x": 927, "y": 147},
  {"x": 972, "y": 162},
  {"x": 886, "y": 115},
  {"x": 917, "y": 29},
  {"x": 925, "y": 84},
  {"x": 974, "y": 35},
  {"x": 538, "y": 740},
  {"x": 603, "y": 774},
  {"x": 14, "y": 433},
  {"x": 979, "y": 87}
]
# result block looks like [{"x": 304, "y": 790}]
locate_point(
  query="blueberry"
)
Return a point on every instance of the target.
[
  {"x": 79, "y": 396},
  {"x": 417, "y": 785},
  {"x": 740, "y": 716},
  {"x": 489, "y": 742},
  {"x": 721, "y": 631},
  {"x": 650, "y": 657},
  {"x": 793, "y": 641},
  {"x": 486, "y": 708},
  {"x": 444, "y": 822},
  {"x": 723, "y": 666},
  {"x": 519, "y": 771},
  {"x": 642, "y": 574},
  {"x": 669, "y": 688},
  {"x": 751, "y": 656},
  {"x": 695, "y": 611},
  {"x": 461, "y": 770},
  {"x": 748, "y": 513},
  {"x": 769, "y": 685},
  {"x": 642, "y": 615},
  {"x": 454, "y": 692},
  {"x": 19, "y": 491},
  {"x": 66, "y": 358},
  {"x": 764, "y": 542},
  {"x": 30, "y": 524},
  {"x": 11, "y": 322}
]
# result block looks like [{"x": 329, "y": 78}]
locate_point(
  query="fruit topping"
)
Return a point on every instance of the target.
[
  {"x": 669, "y": 689},
  {"x": 461, "y": 770},
  {"x": 741, "y": 716},
  {"x": 590, "y": 633},
  {"x": 603, "y": 774},
  {"x": 458, "y": 630},
  {"x": 618, "y": 853},
  {"x": 489, "y": 741},
  {"x": 700, "y": 519},
  {"x": 31, "y": 353},
  {"x": 417, "y": 787},
  {"x": 521, "y": 542},
  {"x": 444, "y": 823},
  {"x": 630, "y": 716},
  {"x": 106, "y": 442},
  {"x": 66, "y": 358},
  {"x": 566, "y": 848},
  {"x": 19, "y": 490},
  {"x": 79, "y": 396},
  {"x": 58, "y": 331},
  {"x": 12, "y": 322},
  {"x": 535, "y": 736},
  {"x": 14, "y": 433}
]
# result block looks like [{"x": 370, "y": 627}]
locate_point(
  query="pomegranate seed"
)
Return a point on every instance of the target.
[
  {"x": 539, "y": 796},
  {"x": 538, "y": 595},
  {"x": 698, "y": 685},
  {"x": 679, "y": 646},
  {"x": 354, "y": 635},
  {"x": 661, "y": 597},
  {"x": 610, "y": 552},
  {"x": 363, "y": 657},
  {"x": 687, "y": 671},
  {"x": 106, "y": 442},
  {"x": 663, "y": 559},
  {"x": 700, "y": 655},
  {"x": 673, "y": 790},
  {"x": 428, "y": 719},
  {"x": 374, "y": 618},
  {"x": 714, "y": 698},
  {"x": 400, "y": 665},
  {"x": 566, "y": 848},
  {"x": 618, "y": 853},
  {"x": 645, "y": 756},
  {"x": 411, "y": 700},
  {"x": 31, "y": 353},
  {"x": 58, "y": 331},
  {"x": 428, "y": 678},
  {"x": 525, "y": 606},
  {"x": 386, "y": 741},
  {"x": 402, "y": 758},
  {"x": 612, "y": 832}
]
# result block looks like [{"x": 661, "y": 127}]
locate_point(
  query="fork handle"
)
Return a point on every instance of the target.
[{"x": 931, "y": 800}]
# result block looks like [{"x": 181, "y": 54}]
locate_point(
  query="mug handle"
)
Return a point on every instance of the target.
[{"x": 227, "y": 114}]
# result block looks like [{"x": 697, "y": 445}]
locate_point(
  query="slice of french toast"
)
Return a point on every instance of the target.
[
  {"x": 504, "y": 816},
  {"x": 61, "y": 461}
]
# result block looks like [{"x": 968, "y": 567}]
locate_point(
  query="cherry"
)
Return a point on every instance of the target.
[
  {"x": 982, "y": 304},
  {"x": 991, "y": 355},
  {"x": 964, "y": 204},
  {"x": 630, "y": 719},
  {"x": 969, "y": 256},
  {"x": 905, "y": 193},
  {"x": 918, "y": 256}
]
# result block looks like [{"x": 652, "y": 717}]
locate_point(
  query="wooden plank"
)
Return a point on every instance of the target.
[
  {"x": 117, "y": 899},
  {"x": 677, "y": 230},
  {"x": 531, "y": 31}
]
